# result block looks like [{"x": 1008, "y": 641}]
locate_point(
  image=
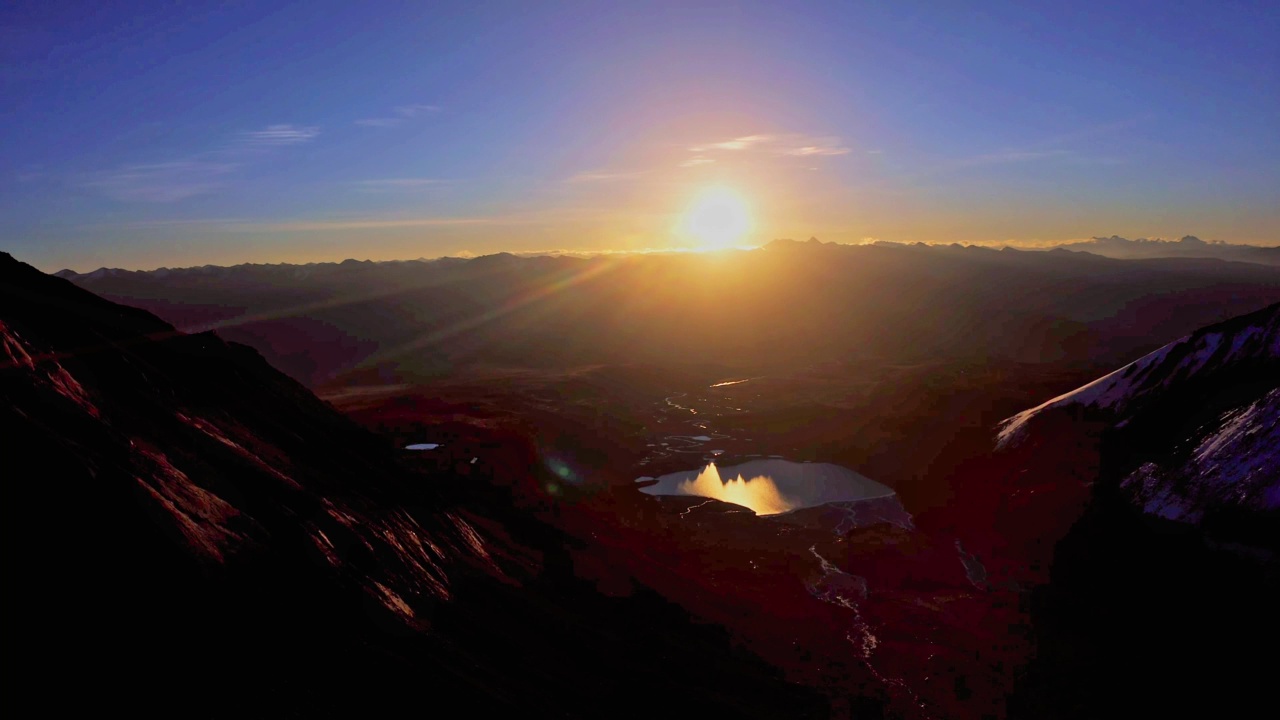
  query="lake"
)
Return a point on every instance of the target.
[{"x": 772, "y": 486}]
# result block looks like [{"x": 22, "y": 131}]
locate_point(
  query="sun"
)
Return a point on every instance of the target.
[{"x": 717, "y": 219}]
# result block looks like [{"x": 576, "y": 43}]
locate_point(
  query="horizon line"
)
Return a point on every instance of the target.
[{"x": 465, "y": 255}]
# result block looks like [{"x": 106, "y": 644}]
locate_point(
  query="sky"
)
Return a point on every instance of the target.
[{"x": 142, "y": 134}]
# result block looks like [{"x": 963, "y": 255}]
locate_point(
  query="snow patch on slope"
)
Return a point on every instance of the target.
[{"x": 1235, "y": 463}]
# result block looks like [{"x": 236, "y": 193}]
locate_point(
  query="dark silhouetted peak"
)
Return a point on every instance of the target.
[
  {"x": 812, "y": 244},
  {"x": 502, "y": 258},
  {"x": 448, "y": 261},
  {"x": 104, "y": 272}
]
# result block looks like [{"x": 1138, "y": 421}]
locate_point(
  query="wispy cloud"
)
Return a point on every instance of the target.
[
  {"x": 1011, "y": 157},
  {"x": 1048, "y": 150},
  {"x": 370, "y": 223},
  {"x": 392, "y": 184},
  {"x": 196, "y": 174},
  {"x": 745, "y": 142},
  {"x": 161, "y": 182},
  {"x": 347, "y": 222},
  {"x": 1095, "y": 160},
  {"x": 414, "y": 110},
  {"x": 176, "y": 222},
  {"x": 787, "y": 144},
  {"x": 246, "y": 225},
  {"x": 593, "y": 177},
  {"x": 819, "y": 146},
  {"x": 697, "y": 160},
  {"x": 400, "y": 114},
  {"x": 276, "y": 135},
  {"x": 1015, "y": 156}
]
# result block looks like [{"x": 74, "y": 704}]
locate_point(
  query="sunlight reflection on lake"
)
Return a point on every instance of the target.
[{"x": 770, "y": 487}]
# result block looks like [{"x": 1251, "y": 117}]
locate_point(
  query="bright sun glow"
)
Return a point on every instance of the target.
[{"x": 717, "y": 219}]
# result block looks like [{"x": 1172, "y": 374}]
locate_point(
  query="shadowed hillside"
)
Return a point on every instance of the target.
[{"x": 181, "y": 515}]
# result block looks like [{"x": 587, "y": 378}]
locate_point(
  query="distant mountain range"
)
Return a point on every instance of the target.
[
  {"x": 1188, "y": 246},
  {"x": 787, "y": 303}
]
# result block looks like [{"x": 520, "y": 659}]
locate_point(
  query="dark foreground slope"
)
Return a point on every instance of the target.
[{"x": 190, "y": 532}]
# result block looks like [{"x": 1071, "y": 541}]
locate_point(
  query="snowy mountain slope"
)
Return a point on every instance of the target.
[
  {"x": 1235, "y": 461},
  {"x": 1212, "y": 350},
  {"x": 1190, "y": 432}
]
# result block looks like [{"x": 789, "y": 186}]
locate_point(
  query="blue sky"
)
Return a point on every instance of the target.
[{"x": 141, "y": 135}]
